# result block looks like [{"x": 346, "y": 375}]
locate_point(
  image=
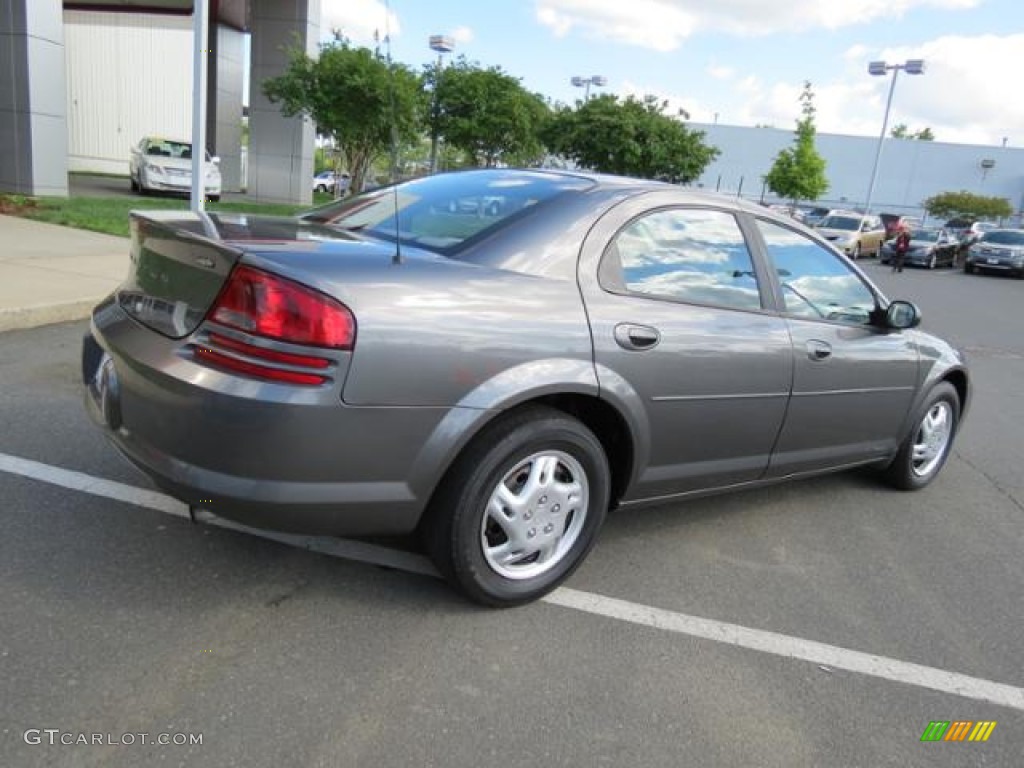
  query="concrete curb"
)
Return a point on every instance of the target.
[{"x": 46, "y": 314}]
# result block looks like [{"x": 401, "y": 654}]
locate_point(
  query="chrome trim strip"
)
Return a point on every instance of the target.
[{"x": 863, "y": 391}]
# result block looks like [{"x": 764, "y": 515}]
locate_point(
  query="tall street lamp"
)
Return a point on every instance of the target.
[
  {"x": 442, "y": 44},
  {"x": 586, "y": 82},
  {"x": 911, "y": 67}
]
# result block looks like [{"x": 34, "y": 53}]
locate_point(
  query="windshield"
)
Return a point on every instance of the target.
[
  {"x": 1005, "y": 237},
  {"x": 442, "y": 212},
  {"x": 840, "y": 222},
  {"x": 929, "y": 235},
  {"x": 167, "y": 148}
]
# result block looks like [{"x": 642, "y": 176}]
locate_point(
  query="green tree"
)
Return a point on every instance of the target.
[
  {"x": 963, "y": 203},
  {"x": 631, "y": 137},
  {"x": 486, "y": 113},
  {"x": 799, "y": 171},
  {"x": 901, "y": 131},
  {"x": 354, "y": 97}
]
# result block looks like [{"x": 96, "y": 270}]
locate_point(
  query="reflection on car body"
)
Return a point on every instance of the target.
[{"x": 496, "y": 383}]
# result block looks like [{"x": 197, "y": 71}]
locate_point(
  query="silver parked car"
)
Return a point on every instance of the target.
[
  {"x": 395, "y": 363},
  {"x": 999, "y": 250}
]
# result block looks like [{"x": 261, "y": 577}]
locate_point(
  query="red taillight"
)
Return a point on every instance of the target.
[{"x": 267, "y": 305}]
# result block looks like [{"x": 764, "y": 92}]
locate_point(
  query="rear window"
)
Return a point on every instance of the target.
[{"x": 445, "y": 211}]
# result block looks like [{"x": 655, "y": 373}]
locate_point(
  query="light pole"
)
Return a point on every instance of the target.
[
  {"x": 585, "y": 83},
  {"x": 442, "y": 44},
  {"x": 912, "y": 67}
]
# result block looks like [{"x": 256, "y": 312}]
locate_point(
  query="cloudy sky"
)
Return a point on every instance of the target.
[{"x": 742, "y": 62}]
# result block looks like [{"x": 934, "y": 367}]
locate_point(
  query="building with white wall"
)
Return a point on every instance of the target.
[
  {"x": 910, "y": 171},
  {"x": 85, "y": 80}
]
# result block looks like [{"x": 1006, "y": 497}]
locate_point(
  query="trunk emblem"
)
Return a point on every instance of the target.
[{"x": 204, "y": 261}]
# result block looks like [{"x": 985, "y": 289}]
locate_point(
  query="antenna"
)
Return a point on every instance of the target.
[{"x": 393, "y": 174}]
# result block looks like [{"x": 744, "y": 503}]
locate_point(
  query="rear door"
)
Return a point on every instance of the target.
[{"x": 676, "y": 306}]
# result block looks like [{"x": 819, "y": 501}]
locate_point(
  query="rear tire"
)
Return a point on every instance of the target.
[
  {"x": 520, "y": 508},
  {"x": 969, "y": 269},
  {"x": 924, "y": 451}
]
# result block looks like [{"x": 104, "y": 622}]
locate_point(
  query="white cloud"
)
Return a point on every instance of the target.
[
  {"x": 462, "y": 34},
  {"x": 656, "y": 24},
  {"x": 965, "y": 95},
  {"x": 721, "y": 73},
  {"x": 358, "y": 20},
  {"x": 663, "y": 25},
  {"x": 856, "y": 53}
]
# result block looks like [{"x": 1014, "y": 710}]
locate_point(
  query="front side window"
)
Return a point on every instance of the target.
[
  {"x": 685, "y": 254},
  {"x": 816, "y": 283}
]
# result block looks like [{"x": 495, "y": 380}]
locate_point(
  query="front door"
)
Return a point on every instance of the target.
[{"x": 853, "y": 381}]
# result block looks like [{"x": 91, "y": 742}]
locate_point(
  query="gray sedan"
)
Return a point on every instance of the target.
[{"x": 497, "y": 380}]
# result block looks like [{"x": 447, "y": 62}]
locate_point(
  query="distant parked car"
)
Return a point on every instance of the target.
[
  {"x": 929, "y": 248},
  {"x": 853, "y": 233},
  {"x": 165, "y": 165},
  {"x": 967, "y": 230},
  {"x": 327, "y": 181},
  {"x": 812, "y": 215},
  {"x": 1001, "y": 250}
]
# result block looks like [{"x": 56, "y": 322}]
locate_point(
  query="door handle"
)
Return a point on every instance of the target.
[
  {"x": 818, "y": 350},
  {"x": 636, "y": 337}
]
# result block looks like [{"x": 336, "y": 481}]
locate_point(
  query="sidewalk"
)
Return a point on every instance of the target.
[{"x": 51, "y": 274}]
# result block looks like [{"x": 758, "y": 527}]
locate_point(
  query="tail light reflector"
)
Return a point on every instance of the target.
[{"x": 256, "y": 370}]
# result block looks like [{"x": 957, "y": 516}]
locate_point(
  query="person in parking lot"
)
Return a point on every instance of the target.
[{"x": 901, "y": 246}]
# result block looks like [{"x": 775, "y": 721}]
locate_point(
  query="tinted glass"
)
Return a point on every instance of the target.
[
  {"x": 441, "y": 212},
  {"x": 689, "y": 254},
  {"x": 816, "y": 283},
  {"x": 1004, "y": 237},
  {"x": 840, "y": 222},
  {"x": 924, "y": 234}
]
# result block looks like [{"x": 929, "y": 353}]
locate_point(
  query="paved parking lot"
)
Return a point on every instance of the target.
[{"x": 824, "y": 623}]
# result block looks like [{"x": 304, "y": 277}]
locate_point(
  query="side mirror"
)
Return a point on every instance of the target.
[{"x": 902, "y": 314}]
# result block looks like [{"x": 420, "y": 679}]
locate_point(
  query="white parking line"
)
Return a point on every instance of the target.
[{"x": 831, "y": 656}]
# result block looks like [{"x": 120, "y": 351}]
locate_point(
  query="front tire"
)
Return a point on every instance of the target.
[
  {"x": 520, "y": 509},
  {"x": 925, "y": 450},
  {"x": 856, "y": 252}
]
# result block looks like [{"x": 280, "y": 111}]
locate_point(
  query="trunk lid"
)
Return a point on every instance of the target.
[{"x": 180, "y": 261}]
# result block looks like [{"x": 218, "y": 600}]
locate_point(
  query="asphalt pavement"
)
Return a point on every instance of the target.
[{"x": 118, "y": 619}]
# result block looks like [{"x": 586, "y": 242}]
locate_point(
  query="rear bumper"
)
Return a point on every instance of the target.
[{"x": 267, "y": 455}]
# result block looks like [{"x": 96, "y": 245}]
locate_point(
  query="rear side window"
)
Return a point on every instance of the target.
[{"x": 683, "y": 254}]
